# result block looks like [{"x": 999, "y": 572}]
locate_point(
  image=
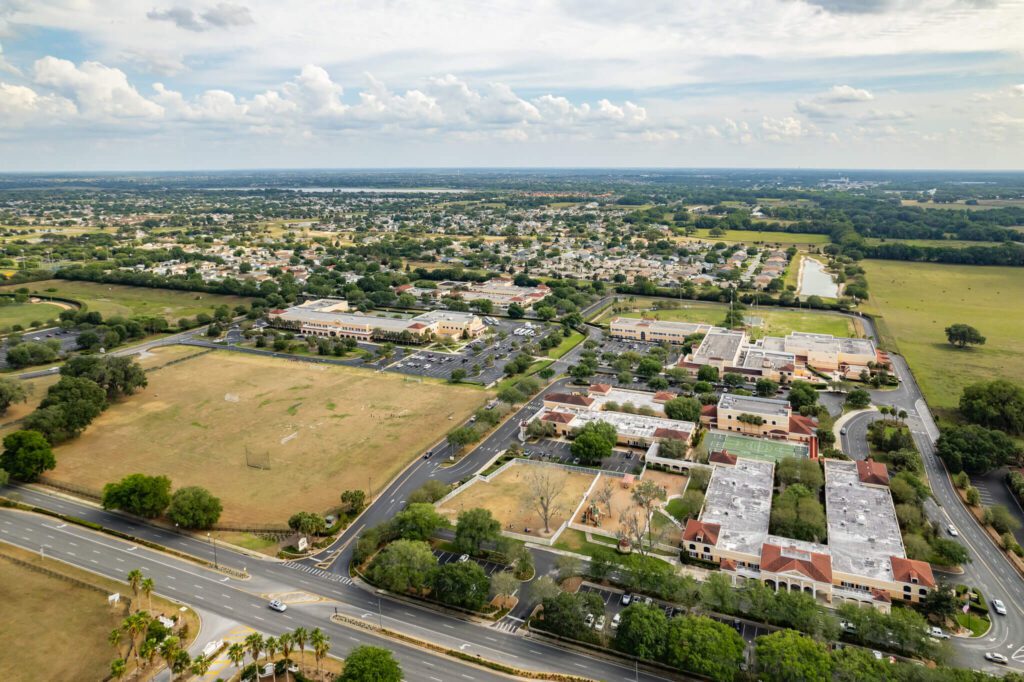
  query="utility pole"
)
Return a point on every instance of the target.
[
  {"x": 380, "y": 616},
  {"x": 214, "y": 543}
]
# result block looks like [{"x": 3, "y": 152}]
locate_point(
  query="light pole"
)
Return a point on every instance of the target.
[
  {"x": 380, "y": 616},
  {"x": 214, "y": 543}
]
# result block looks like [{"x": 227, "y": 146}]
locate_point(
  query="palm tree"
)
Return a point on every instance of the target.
[
  {"x": 114, "y": 638},
  {"x": 254, "y": 643},
  {"x": 148, "y": 651},
  {"x": 118, "y": 668},
  {"x": 270, "y": 644},
  {"x": 136, "y": 625},
  {"x": 200, "y": 665},
  {"x": 147, "y": 589},
  {"x": 236, "y": 654},
  {"x": 169, "y": 649},
  {"x": 300, "y": 637},
  {"x": 321, "y": 644},
  {"x": 287, "y": 643},
  {"x": 134, "y": 581}
]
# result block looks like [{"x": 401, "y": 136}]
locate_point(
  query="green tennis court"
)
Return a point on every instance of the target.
[{"x": 753, "y": 448}]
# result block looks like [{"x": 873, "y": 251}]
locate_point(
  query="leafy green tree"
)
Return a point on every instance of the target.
[
  {"x": 642, "y": 631},
  {"x": 858, "y": 399},
  {"x": 718, "y": 593},
  {"x": 139, "y": 494},
  {"x": 790, "y": 470},
  {"x": 457, "y": 375},
  {"x": 354, "y": 501},
  {"x": 417, "y": 522},
  {"x": 700, "y": 645},
  {"x": 1000, "y": 518},
  {"x": 460, "y": 584},
  {"x": 788, "y": 656},
  {"x": 961, "y": 335},
  {"x": 707, "y": 373},
  {"x": 997, "y": 404},
  {"x": 765, "y": 388},
  {"x": 432, "y": 490},
  {"x": 516, "y": 311},
  {"x": 564, "y": 614},
  {"x": 473, "y": 528},
  {"x": 802, "y": 394},
  {"x": 402, "y": 566},
  {"x": 975, "y": 449},
  {"x": 194, "y": 507},
  {"x": 462, "y": 436},
  {"x": 117, "y": 375},
  {"x": 26, "y": 455},
  {"x": 683, "y": 409},
  {"x": 853, "y": 664},
  {"x": 370, "y": 664},
  {"x": 307, "y": 523},
  {"x": 797, "y": 513},
  {"x": 593, "y": 442},
  {"x": 11, "y": 391}
]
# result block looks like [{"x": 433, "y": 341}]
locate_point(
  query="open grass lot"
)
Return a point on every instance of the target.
[
  {"x": 776, "y": 322},
  {"x": 982, "y": 205},
  {"x": 323, "y": 429},
  {"x": 115, "y": 299},
  {"x": 507, "y": 497},
  {"x": 949, "y": 243},
  {"x": 37, "y": 387},
  {"x": 45, "y": 618},
  {"x": 751, "y": 236},
  {"x": 917, "y": 301},
  {"x": 27, "y": 313}
]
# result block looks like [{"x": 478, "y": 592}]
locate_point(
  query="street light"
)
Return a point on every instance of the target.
[{"x": 214, "y": 543}]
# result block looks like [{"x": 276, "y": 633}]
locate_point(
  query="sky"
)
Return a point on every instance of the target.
[{"x": 91, "y": 85}]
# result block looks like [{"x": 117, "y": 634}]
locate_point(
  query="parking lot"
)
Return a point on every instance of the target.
[
  {"x": 483, "y": 360},
  {"x": 489, "y": 567},
  {"x": 613, "y": 605},
  {"x": 623, "y": 461},
  {"x": 68, "y": 340},
  {"x": 620, "y": 346}
]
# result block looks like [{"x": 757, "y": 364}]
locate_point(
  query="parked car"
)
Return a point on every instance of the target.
[
  {"x": 625, "y": 599},
  {"x": 278, "y": 605},
  {"x": 951, "y": 529},
  {"x": 599, "y": 625},
  {"x": 848, "y": 627},
  {"x": 996, "y": 658},
  {"x": 463, "y": 559},
  {"x": 616, "y": 619},
  {"x": 937, "y": 633},
  {"x": 877, "y": 654},
  {"x": 589, "y": 620},
  {"x": 997, "y": 604}
]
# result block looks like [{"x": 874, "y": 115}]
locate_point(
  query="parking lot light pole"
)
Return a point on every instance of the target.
[{"x": 214, "y": 543}]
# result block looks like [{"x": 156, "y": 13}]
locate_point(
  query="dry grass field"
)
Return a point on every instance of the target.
[
  {"x": 43, "y": 615},
  {"x": 322, "y": 429},
  {"x": 507, "y": 496}
]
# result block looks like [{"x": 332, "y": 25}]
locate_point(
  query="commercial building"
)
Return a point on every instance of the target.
[
  {"x": 761, "y": 418},
  {"x": 655, "y": 331},
  {"x": 325, "y": 317},
  {"x": 863, "y": 562},
  {"x": 634, "y": 430}
]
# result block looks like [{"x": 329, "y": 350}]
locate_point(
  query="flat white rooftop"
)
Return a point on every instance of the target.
[{"x": 739, "y": 500}]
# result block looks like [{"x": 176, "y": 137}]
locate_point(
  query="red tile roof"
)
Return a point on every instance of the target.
[
  {"x": 600, "y": 388},
  {"x": 802, "y": 425},
  {"x": 560, "y": 417},
  {"x": 881, "y": 595},
  {"x": 722, "y": 457},
  {"x": 570, "y": 399},
  {"x": 872, "y": 472},
  {"x": 662, "y": 432},
  {"x": 709, "y": 411},
  {"x": 727, "y": 564},
  {"x": 708, "y": 531},
  {"x": 815, "y": 566},
  {"x": 909, "y": 570},
  {"x": 663, "y": 396}
]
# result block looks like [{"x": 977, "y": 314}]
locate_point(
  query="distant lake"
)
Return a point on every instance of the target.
[
  {"x": 815, "y": 281},
  {"x": 348, "y": 190}
]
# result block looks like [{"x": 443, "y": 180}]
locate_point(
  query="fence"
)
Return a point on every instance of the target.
[
  {"x": 80, "y": 490},
  {"x": 59, "y": 576}
]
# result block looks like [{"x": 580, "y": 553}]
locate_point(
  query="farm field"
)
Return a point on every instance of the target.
[
  {"x": 116, "y": 299},
  {"x": 212, "y": 419},
  {"x": 751, "y": 236},
  {"x": 25, "y": 314},
  {"x": 917, "y": 301},
  {"x": 775, "y": 322},
  {"x": 46, "y": 614},
  {"x": 507, "y": 494}
]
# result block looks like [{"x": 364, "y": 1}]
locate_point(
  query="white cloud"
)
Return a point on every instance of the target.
[
  {"x": 845, "y": 93},
  {"x": 99, "y": 90},
  {"x": 222, "y": 15},
  {"x": 829, "y": 104},
  {"x": 20, "y": 105},
  {"x": 783, "y": 129},
  {"x": 1018, "y": 90}
]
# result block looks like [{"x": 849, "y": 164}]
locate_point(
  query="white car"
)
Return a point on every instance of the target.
[
  {"x": 589, "y": 620},
  {"x": 999, "y": 607},
  {"x": 462, "y": 559},
  {"x": 951, "y": 529},
  {"x": 937, "y": 633},
  {"x": 616, "y": 619},
  {"x": 996, "y": 658},
  {"x": 877, "y": 654},
  {"x": 599, "y": 625},
  {"x": 278, "y": 605}
]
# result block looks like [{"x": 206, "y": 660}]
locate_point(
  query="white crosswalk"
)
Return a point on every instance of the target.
[
  {"x": 508, "y": 624},
  {"x": 320, "y": 573}
]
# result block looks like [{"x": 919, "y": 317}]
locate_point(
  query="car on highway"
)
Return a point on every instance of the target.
[
  {"x": 999, "y": 607},
  {"x": 278, "y": 605},
  {"x": 996, "y": 658},
  {"x": 951, "y": 529}
]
